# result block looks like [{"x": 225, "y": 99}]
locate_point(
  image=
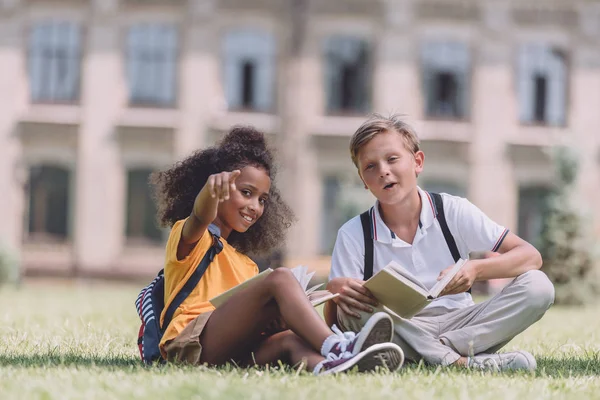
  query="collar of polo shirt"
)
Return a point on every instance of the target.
[{"x": 381, "y": 233}]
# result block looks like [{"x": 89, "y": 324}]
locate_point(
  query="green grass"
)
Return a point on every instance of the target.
[{"x": 78, "y": 341}]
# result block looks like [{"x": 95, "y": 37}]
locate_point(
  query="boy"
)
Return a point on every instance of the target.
[{"x": 405, "y": 227}]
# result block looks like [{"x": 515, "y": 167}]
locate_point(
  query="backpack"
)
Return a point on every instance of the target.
[
  {"x": 151, "y": 302},
  {"x": 365, "y": 219}
]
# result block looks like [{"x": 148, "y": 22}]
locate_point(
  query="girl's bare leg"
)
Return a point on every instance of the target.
[
  {"x": 235, "y": 327},
  {"x": 288, "y": 347}
]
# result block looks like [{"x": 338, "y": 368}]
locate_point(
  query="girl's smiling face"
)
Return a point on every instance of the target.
[{"x": 246, "y": 203}]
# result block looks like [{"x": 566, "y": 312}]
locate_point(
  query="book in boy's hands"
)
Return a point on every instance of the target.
[
  {"x": 401, "y": 292},
  {"x": 316, "y": 297}
]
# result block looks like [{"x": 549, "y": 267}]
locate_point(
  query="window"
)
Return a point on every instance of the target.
[
  {"x": 141, "y": 210},
  {"x": 532, "y": 209},
  {"x": 151, "y": 65},
  {"x": 48, "y": 202},
  {"x": 347, "y": 75},
  {"x": 54, "y": 62},
  {"x": 446, "y": 79},
  {"x": 249, "y": 74},
  {"x": 542, "y": 85}
]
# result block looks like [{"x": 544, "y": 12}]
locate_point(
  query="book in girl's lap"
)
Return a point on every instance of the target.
[
  {"x": 226, "y": 194},
  {"x": 425, "y": 234}
]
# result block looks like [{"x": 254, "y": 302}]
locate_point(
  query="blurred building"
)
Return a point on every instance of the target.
[{"x": 97, "y": 94}]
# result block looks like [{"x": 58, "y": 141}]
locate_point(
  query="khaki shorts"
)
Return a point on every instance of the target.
[{"x": 186, "y": 347}]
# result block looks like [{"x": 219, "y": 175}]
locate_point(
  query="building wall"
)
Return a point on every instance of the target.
[{"x": 488, "y": 154}]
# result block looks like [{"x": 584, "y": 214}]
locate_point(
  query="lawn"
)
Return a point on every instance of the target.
[{"x": 78, "y": 342}]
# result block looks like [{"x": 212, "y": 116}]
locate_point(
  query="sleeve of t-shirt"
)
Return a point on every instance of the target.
[
  {"x": 347, "y": 259},
  {"x": 472, "y": 229},
  {"x": 196, "y": 253}
]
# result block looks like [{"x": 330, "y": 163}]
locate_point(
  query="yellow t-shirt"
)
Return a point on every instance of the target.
[{"x": 228, "y": 269}]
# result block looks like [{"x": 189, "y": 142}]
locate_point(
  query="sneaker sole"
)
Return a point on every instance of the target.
[
  {"x": 387, "y": 356},
  {"x": 378, "y": 329}
]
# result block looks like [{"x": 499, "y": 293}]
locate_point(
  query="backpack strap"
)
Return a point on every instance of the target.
[
  {"x": 365, "y": 220},
  {"x": 439, "y": 210},
  {"x": 191, "y": 283}
]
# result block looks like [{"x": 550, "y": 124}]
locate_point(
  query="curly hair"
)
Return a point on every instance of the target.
[{"x": 175, "y": 189}]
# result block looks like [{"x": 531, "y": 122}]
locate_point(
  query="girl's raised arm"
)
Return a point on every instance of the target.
[{"x": 216, "y": 190}]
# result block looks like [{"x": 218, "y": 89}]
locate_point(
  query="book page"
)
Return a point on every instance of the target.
[
  {"x": 217, "y": 301},
  {"x": 441, "y": 284},
  {"x": 400, "y": 270},
  {"x": 321, "y": 296},
  {"x": 397, "y": 293},
  {"x": 302, "y": 275}
]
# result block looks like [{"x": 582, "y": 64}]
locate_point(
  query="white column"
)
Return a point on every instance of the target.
[
  {"x": 198, "y": 88},
  {"x": 396, "y": 80},
  {"x": 585, "y": 119},
  {"x": 100, "y": 198},
  {"x": 13, "y": 95},
  {"x": 492, "y": 185}
]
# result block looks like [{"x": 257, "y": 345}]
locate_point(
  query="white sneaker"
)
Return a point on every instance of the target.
[
  {"x": 516, "y": 360},
  {"x": 378, "y": 329},
  {"x": 387, "y": 356}
]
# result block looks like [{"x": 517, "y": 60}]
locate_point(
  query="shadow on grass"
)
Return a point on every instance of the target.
[
  {"x": 564, "y": 367},
  {"x": 61, "y": 360}
]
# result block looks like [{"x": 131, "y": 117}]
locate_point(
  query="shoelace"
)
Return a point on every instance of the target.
[
  {"x": 345, "y": 338},
  {"x": 485, "y": 364}
]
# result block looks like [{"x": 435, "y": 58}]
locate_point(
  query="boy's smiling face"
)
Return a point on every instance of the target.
[{"x": 388, "y": 169}]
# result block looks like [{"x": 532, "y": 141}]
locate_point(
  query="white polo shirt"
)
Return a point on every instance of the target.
[{"x": 428, "y": 255}]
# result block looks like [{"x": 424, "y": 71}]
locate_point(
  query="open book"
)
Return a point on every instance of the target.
[
  {"x": 401, "y": 292},
  {"x": 316, "y": 297}
]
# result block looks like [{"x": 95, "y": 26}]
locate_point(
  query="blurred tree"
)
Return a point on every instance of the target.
[{"x": 566, "y": 242}]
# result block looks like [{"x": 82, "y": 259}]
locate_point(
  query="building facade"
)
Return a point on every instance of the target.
[{"x": 97, "y": 94}]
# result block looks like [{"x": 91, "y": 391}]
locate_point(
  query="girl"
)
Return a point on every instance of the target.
[{"x": 230, "y": 187}]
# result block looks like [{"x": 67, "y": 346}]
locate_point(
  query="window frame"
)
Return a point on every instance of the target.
[
  {"x": 330, "y": 46},
  {"x": 146, "y": 29},
  {"x": 38, "y": 44}
]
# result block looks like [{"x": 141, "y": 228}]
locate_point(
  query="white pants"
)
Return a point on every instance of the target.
[{"x": 441, "y": 336}]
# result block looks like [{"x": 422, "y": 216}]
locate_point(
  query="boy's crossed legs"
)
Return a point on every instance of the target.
[{"x": 467, "y": 336}]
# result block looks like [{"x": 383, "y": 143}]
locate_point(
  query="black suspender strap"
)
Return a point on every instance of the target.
[
  {"x": 191, "y": 283},
  {"x": 365, "y": 220},
  {"x": 439, "y": 209}
]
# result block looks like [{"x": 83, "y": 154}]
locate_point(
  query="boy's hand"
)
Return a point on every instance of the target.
[
  {"x": 462, "y": 281},
  {"x": 353, "y": 295}
]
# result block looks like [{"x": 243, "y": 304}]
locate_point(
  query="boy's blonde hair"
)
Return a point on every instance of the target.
[{"x": 376, "y": 124}]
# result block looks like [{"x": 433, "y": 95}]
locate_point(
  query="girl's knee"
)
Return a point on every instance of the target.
[{"x": 280, "y": 278}]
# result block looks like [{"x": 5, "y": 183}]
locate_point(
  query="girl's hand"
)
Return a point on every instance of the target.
[
  {"x": 218, "y": 188},
  {"x": 221, "y": 184},
  {"x": 353, "y": 296}
]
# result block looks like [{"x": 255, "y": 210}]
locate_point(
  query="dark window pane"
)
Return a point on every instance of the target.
[
  {"x": 248, "y": 76},
  {"x": 540, "y": 85},
  {"x": 532, "y": 208},
  {"x": 446, "y": 95},
  {"x": 347, "y": 75},
  {"x": 141, "y": 210},
  {"x": 49, "y": 201}
]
